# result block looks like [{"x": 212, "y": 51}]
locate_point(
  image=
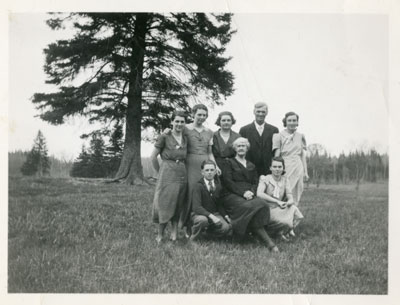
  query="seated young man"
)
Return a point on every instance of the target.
[{"x": 207, "y": 214}]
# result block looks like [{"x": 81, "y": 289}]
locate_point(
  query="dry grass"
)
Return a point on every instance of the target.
[{"x": 67, "y": 235}]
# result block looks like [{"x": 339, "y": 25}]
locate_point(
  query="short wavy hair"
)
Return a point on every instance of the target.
[
  {"x": 260, "y": 105},
  {"x": 239, "y": 141},
  {"x": 199, "y": 106},
  {"x": 178, "y": 113},
  {"x": 205, "y": 162},
  {"x": 288, "y": 114},
  {"x": 218, "y": 121}
]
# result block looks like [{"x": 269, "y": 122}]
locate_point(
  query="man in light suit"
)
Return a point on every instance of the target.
[{"x": 259, "y": 133}]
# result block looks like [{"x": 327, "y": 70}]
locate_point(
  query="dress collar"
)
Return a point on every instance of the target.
[
  {"x": 244, "y": 164},
  {"x": 289, "y": 136}
]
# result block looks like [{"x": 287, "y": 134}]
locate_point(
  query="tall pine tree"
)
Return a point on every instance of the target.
[
  {"x": 81, "y": 166},
  {"x": 98, "y": 162},
  {"x": 138, "y": 68},
  {"x": 91, "y": 163},
  {"x": 37, "y": 161}
]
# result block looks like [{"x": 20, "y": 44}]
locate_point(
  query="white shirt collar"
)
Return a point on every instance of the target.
[
  {"x": 207, "y": 183},
  {"x": 257, "y": 125}
]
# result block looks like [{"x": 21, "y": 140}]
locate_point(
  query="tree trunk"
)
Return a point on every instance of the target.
[{"x": 130, "y": 170}]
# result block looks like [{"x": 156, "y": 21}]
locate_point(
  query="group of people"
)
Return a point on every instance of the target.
[{"x": 224, "y": 182}]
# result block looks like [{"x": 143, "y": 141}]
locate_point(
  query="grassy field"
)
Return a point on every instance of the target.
[{"x": 68, "y": 235}]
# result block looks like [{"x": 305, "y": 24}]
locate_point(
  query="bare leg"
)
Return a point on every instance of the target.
[
  {"x": 174, "y": 231},
  {"x": 187, "y": 231},
  {"x": 283, "y": 236},
  {"x": 161, "y": 229}
]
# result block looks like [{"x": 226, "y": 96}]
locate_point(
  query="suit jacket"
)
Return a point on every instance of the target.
[
  {"x": 205, "y": 202},
  {"x": 260, "y": 153},
  {"x": 239, "y": 179}
]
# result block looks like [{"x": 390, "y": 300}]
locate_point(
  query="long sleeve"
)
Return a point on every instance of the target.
[
  {"x": 229, "y": 183},
  {"x": 220, "y": 208},
  {"x": 217, "y": 196},
  {"x": 254, "y": 181},
  {"x": 215, "y": 147},
  {"x": 197, "y": 201}
]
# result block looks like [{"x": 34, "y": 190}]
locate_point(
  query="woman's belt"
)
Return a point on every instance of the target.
[
  {"x": 198, "y": 153},
  {"x": 175, "y": 160},
  {"x": 292, "y": 157}
]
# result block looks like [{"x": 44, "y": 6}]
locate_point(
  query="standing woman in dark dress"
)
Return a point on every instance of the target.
[
  {"x": 223, "y": 138},
  {"x": 171, "y": 186},
  {"x": 247, "y": 212}
]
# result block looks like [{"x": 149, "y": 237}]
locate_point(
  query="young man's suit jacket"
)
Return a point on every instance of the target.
[{"x": 205, "y": 202}]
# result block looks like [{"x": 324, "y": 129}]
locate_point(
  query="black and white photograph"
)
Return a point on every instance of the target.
[{"x": 219, "y": 151}]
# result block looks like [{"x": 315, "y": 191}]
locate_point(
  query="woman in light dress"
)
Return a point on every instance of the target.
[
  {"x": 291, "y": 146},
  {"x": 276, "y": 190},
  {"x": 171, "y": 185}
]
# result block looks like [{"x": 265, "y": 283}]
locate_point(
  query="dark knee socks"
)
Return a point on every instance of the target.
[{"x": 262, "y": 234}]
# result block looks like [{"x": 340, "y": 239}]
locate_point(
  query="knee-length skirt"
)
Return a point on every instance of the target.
[
  {"x": 284, "y": 219},
  {"x": 170, "y": 192}
]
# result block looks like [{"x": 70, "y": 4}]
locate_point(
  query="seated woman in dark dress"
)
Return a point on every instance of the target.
[{"x": 247, "y": 212}]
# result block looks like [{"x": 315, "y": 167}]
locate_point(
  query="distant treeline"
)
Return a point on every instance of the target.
[
  {"x": 355, "y": 167},
  {"x": 59, "y": 168},
  {"x": 358, "y": 166}
]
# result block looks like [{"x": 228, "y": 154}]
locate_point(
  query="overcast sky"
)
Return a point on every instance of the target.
[{"x": 330, "y": 69}]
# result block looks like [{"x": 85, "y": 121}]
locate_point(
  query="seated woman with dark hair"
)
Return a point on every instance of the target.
[
  {"x": 276, "y": 190},
  {"x": 247, "y": 212}
]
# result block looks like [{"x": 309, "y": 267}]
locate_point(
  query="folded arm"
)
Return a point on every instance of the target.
[
  {"x": 229, "y": 183},
  {"x": 272, "y": 201}
]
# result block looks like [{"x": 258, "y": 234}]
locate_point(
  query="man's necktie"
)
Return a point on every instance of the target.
[
  {"x": 260, "y": 130},
  {"x": 211, "y": 187}
]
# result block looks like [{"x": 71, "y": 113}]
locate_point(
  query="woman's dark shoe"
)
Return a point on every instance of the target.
[{"x": 266, "y": 240}]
